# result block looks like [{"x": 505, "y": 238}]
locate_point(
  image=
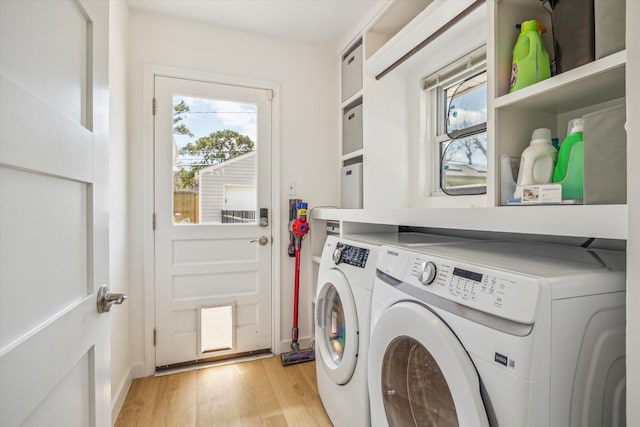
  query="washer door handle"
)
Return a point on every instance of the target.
[{"x": 320, "y": 303}]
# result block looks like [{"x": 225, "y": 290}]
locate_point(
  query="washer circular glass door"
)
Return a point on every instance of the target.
[
  {"x": 419, "y": 373},
  {"x": 336, "y": 327}
]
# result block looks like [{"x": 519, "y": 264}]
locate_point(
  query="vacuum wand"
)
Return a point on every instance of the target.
[
  {"x": 299, "y": 228},
  {"x": 296, "y": 296}
]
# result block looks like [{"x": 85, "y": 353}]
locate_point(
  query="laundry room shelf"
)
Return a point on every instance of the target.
[{"x": 598, "y": 221}]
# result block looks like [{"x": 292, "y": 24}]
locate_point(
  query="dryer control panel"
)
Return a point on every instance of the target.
[
  {"x": 351, "y": 255},
  {"x": 501, "y": 293},
  {"x": 504, "y": 294}
]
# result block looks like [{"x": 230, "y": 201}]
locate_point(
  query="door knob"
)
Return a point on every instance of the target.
[
  {"x": 263, "y": 240},
  {"x": 106, "y": 299}
]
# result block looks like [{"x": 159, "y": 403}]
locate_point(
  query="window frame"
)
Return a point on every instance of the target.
[{"x": 436, "y": 114}]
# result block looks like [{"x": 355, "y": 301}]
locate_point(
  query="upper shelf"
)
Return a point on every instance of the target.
[
  {"x": 390, "y": 22},
  {"x": 592, "y": 83},
  {"x": 404, "y": 25},
  {"x": 598, "y": 221}
]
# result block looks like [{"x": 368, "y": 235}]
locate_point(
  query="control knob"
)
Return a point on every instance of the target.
[
  {"x": 427, "y": 273},
  {"x": 337, "y": 254}
]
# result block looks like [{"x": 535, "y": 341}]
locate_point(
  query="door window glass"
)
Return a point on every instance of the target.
[
  {"x": 214, "y": 168},
  {"x": 335, "y": 321},
  {"x": 414, "y": 390}
]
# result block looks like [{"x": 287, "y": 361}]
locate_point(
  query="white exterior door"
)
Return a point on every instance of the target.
[
  {"x": 212, "y": 269},
  {"x": 54, "y": 346}
]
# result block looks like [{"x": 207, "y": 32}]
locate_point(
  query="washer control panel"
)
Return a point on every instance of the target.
[
  {"x": 502, "y": 293},
  {"x": 351, "y": 255}
]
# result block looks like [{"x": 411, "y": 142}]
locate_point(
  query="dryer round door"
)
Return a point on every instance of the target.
[
  {"x": 419, "y": 373},
  {"x": 336, "y": 327}
]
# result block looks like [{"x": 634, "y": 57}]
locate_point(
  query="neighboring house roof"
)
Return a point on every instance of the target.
[{"x": 227, "y": 163}]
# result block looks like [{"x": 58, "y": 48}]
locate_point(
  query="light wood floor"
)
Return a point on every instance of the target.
[{"x": 257, "y": 393}]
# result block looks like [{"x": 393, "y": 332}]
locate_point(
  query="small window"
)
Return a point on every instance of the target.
[{"x": 459, "y": 133}]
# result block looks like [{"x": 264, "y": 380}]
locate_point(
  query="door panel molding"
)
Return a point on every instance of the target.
[{"x": 71, "y": 156}]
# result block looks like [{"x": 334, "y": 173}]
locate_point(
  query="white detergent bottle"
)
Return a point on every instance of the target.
[{"x": 538, "y": 161}]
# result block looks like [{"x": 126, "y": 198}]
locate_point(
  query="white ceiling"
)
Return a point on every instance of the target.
[{"x": 326, "y": 22}]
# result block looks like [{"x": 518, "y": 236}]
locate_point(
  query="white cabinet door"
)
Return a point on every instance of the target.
[{"x": 54, "y": 346}]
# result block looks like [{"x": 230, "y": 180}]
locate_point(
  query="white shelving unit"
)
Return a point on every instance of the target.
[
  {"x": 595, "y": 83},
  {"x": 598, "y": 221},
  {"x": 512, "y": 117},
  {"x": 550, "y": 103},
  {"x": 352, "y": 142},
  {"x": 352, "y": 155}
]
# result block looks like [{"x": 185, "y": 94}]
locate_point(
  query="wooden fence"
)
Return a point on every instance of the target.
[{"x": 186, "y": 207}]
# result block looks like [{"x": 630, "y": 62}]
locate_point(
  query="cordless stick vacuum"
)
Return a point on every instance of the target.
[{"x": 299, "y": 228}]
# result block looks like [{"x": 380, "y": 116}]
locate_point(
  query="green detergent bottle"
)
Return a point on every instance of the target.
[
  {"x": 530, "y": 58},
  {"x": 569, "y": 170}
]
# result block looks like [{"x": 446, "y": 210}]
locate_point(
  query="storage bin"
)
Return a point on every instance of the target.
[
  {"x": 352, "y": 129},
  {"x": 351, "y": 186},
  {"x": 605, "y": 156},
  {"x": 573, "y": 33},
  {"x": 352, "y": 71},
  {"x": 610, "y": 26}
]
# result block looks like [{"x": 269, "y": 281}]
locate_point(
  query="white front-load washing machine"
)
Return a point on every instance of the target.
[
  {"x": 500, "y": 334},
  {"x": 342, "y": 318}
]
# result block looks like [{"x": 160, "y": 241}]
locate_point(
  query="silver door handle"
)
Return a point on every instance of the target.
[
  {"x": 263, "y": 240},
  {"x": 106, "y": 299}
]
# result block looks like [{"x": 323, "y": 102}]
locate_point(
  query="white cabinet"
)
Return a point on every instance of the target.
[{"x": 551, "y": 103}]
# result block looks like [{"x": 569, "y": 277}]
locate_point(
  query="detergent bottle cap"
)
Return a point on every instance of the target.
[
  {"x": 528, "y": 26},
  {"x": 541, "y": 135},
  {"x": 532, "y": 25},
  {"x": 575, "y": 125}
]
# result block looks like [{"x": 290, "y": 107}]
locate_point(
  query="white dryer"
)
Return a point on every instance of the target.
[
  {"x": 500, "y": 334},
  {"x": 342, "y": 319}
]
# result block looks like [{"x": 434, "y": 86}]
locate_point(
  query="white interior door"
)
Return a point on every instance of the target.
[
  {"x": 54, "y": 346},
  {"x": 213, "y": 270}
]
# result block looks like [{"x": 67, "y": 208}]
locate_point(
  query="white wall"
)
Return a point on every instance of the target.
[
  {"x": 118, "y": 218},
  {"x": 308, "y": 79},
  {"x": 398, "y": 165},
  {"x": 385, "y": 175}
]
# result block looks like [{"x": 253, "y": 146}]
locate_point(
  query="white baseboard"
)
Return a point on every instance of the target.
[
  {"x": 141, "y": 370},
  {"x": 123, "y": 389}
]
